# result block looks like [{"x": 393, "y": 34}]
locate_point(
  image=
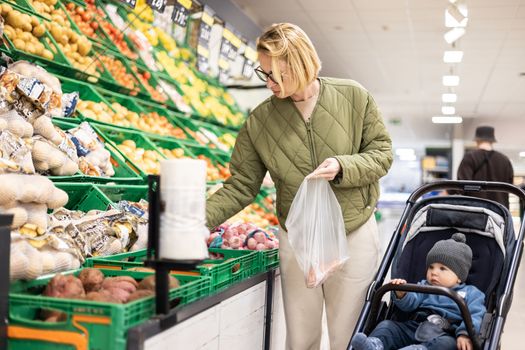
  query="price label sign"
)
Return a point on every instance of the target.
[
  {"x": 157, "y": 5},
  {"x": 130, "y": 3},
  {"x": 181, "y": 12},
  {"x": 250, "y": 57},
  {"x": 203, "y": 53},
  {"x": 203, "y": 64},
  {"x": 205, "y": 27},
  {"x": 234, "y": 43}
]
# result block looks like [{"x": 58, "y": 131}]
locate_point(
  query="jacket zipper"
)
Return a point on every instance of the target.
[{"x": 311, "y": 142}]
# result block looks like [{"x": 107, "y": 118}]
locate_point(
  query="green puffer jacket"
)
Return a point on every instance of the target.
[{"x": 345, "y": 124}]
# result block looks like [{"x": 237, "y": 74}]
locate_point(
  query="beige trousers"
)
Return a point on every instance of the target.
[{"x": 343, "y": 293}]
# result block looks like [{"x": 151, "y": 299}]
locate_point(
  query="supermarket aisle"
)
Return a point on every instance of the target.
[{"x": 513, "y": 334}]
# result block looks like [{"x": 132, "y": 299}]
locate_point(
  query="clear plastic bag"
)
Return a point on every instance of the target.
[{"x": 316, "y": 231}]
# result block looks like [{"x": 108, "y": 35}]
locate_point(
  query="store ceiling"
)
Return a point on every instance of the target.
[{"x": 395, "y": 49}]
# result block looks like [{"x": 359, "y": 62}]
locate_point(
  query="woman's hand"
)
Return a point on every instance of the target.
[
  {"x": 464, "y": 343},
  {"x": 327, "y": 170},
  {"x": 398, "y": 281}
]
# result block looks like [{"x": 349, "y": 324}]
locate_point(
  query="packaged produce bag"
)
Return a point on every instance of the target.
[{"x": 316, "y": 231}]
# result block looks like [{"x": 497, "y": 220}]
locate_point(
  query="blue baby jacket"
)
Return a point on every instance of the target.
[{"x": 446, "y": 307}]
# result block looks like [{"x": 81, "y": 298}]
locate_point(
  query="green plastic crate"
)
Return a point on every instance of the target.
[
  {"x": 84, "y": 196},
  {"x": 116, "y": 135},
  {"x": 269, "y": 258},
  {"x": 48, "y": 43},
  {"x": 117, "y": 193},
  {"x": 96, "y": 325},
  {"x": 123, "y": 172},
  {"x": 111, "y": 83},
  {"x": 25, "y": 7},
  {"x": 170, "y": 144},
  {"x": 150, "y": 107},
  {"x": 87, "y": 93},
  {"x": 74, "y": 25},
  {"x": 236, "y": 266}
]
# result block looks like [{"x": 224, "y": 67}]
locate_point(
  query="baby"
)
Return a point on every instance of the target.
[{"x": 436, "y": 322}]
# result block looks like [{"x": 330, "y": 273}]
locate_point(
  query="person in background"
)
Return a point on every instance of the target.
[
  {"x": 436, "y": 322},
  {"x": 486, "y": 164},
  {"x": 333, "y": 129}
]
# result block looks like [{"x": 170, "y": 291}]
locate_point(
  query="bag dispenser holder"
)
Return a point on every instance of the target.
[{"x": 162, "y": 266}]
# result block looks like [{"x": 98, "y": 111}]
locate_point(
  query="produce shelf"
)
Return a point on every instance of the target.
[
  {"x": 123, "y": 172},
  {"x": 95, "y": 325},
  {"x": 235, "y": 266}
]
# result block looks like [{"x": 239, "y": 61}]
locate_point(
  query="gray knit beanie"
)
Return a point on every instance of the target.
[{"x": 454, "y": 253}]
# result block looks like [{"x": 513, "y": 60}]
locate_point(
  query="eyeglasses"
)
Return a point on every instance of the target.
[{"x": 263, "y": 75}]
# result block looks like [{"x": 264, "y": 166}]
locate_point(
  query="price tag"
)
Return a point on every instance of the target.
[
  {"x": 181, "y": 12},
  {"x": 223, "y": 77},
  {"x": 130, "y": 3},
  {"x": 250, "y": 54},
  {"x": 247, "y": 68},
  {"x": 202, "y": 51},
  {"x": 157, "y": 5},
  {"x": 224, "y": 65},
  {"x": 203, "y": 64}
]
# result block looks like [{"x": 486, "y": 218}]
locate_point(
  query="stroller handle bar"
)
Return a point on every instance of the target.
[
  {"x": 418, "y": 288},
  {"x": 467, "y": 186}
]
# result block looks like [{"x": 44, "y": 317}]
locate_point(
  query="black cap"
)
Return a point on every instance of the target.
[{"x": 485, "y": 133}]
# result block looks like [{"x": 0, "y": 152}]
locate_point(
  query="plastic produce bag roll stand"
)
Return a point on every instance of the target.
[
  {"x": 162, "y": 266},
  {"x": 5, "y": 252}
]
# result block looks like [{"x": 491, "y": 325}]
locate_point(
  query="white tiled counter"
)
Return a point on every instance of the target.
[{"x": 231, "y": 320}]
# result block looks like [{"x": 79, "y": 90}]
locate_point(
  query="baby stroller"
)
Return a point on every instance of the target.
[{"x": 496, "y": 250}]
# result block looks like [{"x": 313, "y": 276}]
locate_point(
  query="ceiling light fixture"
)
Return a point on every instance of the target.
[
  {"x": 449, "y": 98},
  {"x": 450, "y": 80},
  {"x": 448, "y": 110},
  {"x": 456, "y": 15},
  {"x": 405, "y": 152},
  {"x": 454, "y": 34},
  {"x": 443, "y": 119},
  {"x": 452, "y": 56},
  {"x": 408, "y": 157}
]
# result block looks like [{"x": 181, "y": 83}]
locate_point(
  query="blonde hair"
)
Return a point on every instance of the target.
[{"x": 288, "y": 43}]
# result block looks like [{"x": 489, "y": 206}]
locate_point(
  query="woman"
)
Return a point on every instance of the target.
[{"x": 327, "y": 126}]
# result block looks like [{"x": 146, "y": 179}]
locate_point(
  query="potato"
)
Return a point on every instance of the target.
[
  {"x": 10, "y": 32},
  {"x": 61, "y": 286},
  {"x": 84, "y": 46},
  {"x": 64, "y": 39},
  {"x": 56, "y": 32},
  {"x": 48, "y": 55},
  {"x": 102, "y": 296},
  {"x": 15, "y": 19},
  {"x": 113, "y": 282},
  {"x": 91, "y": 279},
  {"x": 6, "y": 8},
  {"x": 39, "y": 30},
  {"x": 27, "y": 27},
  {"x": 126, "y": 279},
  {"x": 119, "y": 294},
  {"x": 148, "y": 283},
  {"x": 139, "y": 294},
  {"x": 53, "y": 315},
  {"x": 34, "y": 22},
  {"x": 19, "y": 44}
]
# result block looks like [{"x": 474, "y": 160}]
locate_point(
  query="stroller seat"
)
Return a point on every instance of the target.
[
  {"x": 484, "y": 227},
  {"x": 489, "y": 231}
]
